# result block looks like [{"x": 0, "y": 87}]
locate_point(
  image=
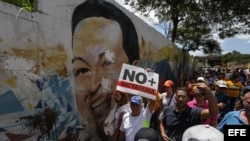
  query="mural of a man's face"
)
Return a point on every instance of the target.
[{"x": 97, "y": 59}]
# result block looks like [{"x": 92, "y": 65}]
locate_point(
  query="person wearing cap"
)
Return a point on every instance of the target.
[
  {"x": 174, "y": 120},
  {"x": 168, "y": 97},
  {"x": 200, "y": 79},
  {"x": 234, "y": 87},
  {"x": 202, "y": 133},
  {"x": 201, "y": 101},
  {"x": 221, "y": 98},
  {"x": 136, "y": 119},
  {"x": 240, "y": 117}
]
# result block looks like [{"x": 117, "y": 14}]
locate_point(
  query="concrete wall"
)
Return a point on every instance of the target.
[{"x": 38, "y": 86}]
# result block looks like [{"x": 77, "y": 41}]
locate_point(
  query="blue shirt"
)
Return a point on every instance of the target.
[{"x": 231, "y": 118}]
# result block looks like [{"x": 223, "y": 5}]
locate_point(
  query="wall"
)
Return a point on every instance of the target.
[{"x": 38, "y": 82}]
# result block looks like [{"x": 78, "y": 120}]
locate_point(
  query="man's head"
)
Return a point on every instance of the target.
[
  {"x": 220, "y": 86},
  {"x": 246, "y": 103},
  {"x": 136, "y": 105},
  {"x": 103, "y": 9},
  {"x": 182, "y": 97}
]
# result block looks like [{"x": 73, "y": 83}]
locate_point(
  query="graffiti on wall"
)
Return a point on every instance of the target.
[{"x": 43, "y": 98}]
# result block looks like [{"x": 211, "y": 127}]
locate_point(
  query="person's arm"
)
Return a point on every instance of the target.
[
  {"x": 213, "y": 109},
  {"x": 115, "y": 136},
  {"x": 163, "y": 132},
  {"x": 151, "y": 104},
  {"x": 121, "y": 136}
]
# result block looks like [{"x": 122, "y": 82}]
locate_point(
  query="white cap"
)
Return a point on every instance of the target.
[
  {"x": 221, "y": 83},
  {"x": 200, "y": 79},
  {"x": 202, "y": 132}
]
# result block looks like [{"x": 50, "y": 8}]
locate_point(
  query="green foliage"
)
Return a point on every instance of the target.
[
  {"x": 192, "y": 23},
  {"x": 26, "y": 4},
  {"x": 237, "y": 57}
]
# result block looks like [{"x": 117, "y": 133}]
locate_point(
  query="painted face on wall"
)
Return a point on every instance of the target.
[{"x": 97, "y": 59}]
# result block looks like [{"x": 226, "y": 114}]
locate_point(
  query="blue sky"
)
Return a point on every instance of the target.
[{"x": 240, "y": 43}]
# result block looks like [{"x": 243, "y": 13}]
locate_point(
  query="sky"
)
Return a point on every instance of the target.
[{"x": 240, "y": 43}]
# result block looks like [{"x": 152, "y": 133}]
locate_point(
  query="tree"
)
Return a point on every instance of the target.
[{"x": 192, "y": 23}]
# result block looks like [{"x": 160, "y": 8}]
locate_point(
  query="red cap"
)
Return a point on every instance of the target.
[{"x": 169, "y": 83}]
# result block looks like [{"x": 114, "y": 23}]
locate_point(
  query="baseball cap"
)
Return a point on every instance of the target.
[
  {"x": 169, "y": 83},
  {"x": 200, "y": 79},
  {"x": 146, "y": 134},
  {"x": 202, "y": 132},
  {"x": 221, "y": 83},
  {"x": 136, "y": 99}
]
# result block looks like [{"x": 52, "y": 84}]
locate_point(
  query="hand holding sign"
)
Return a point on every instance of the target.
[{"x": 138, "y": 81}]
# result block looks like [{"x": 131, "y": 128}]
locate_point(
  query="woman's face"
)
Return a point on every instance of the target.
[
  {"x": 98, "y": 57},
  {"x": 117, "y": 96},
  {"x": 200, "y": 98}
]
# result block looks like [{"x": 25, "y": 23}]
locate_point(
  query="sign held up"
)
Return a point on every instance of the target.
[{"x": 138, "y": 81}]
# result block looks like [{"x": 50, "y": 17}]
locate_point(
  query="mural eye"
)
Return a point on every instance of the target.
[
  {"x": 107, "y": 63},
  {"x": 82, "y": 71},
  {"x": 109, "y": 58}
]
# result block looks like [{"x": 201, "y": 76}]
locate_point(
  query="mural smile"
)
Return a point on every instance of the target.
[{"x": 99, "y": 106}]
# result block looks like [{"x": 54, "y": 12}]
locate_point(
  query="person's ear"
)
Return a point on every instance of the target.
[{"x": 135, "y": 63}]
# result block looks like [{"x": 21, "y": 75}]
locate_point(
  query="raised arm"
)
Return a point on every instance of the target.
[{"x": 213, "y": 109}]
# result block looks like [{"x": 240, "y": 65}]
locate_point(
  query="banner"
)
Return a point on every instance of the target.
[{"x": 138, "y": 81}]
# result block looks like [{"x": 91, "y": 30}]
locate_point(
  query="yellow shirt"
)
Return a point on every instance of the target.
[{"x": 234, "y": 88}]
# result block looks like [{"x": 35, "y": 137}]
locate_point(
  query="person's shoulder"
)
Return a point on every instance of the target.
[
  {"x": 194, "y": 109},
  {"x": 233, "y": 114},
  {"x": 126, "y": 115},
  {"x": 163, "y": 94},
  {"x": 169, "y": 108},
  {"x": 191, "y": 103}
]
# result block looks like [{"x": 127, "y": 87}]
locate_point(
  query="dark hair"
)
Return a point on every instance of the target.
[
  {"x": 244, "y": 91},
  {"x": 182, "y": 89},
  {"x": 148, "y": 134},
  {"x": 234, "y": 76},
  {"x": 100, "y": 8}
]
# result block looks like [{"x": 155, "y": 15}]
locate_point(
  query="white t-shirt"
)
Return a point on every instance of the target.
[
  {"x": 123, "y": 108},
  {"x": 165, "y": 100},
  {"x": 130, "y": 124}
]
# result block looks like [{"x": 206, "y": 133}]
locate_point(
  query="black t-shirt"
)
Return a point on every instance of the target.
[{"x": 177, "y": 123}]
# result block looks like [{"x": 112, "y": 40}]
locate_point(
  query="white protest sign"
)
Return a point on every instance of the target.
[{"x": 138, "y": 81}]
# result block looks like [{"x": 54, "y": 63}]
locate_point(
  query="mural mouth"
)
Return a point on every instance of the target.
[
  {"x": 99, "y": 106},
  {"x": 98, "y": 103}
]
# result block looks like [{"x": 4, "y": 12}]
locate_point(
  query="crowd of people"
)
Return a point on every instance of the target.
[
  {"x": 103, "y": 38},
  {"x": 204, "y": 104}
]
